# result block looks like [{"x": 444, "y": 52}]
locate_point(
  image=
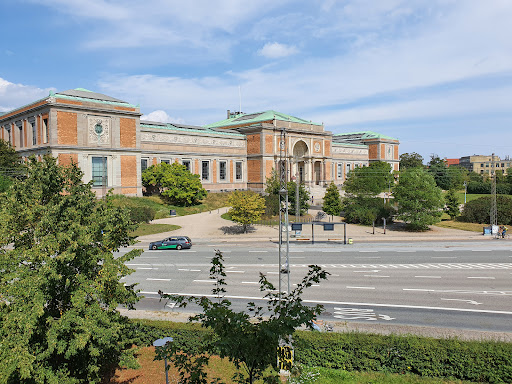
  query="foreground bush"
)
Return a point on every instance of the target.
[{"x": 450, "y": 358}]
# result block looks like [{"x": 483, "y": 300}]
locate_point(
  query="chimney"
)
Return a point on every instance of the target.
[{"x": 229, "y": 113}]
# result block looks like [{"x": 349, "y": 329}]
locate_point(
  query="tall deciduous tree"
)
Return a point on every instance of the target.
[
  {"x": 332, "y": 200},
  {"x": 370, "y": 180},
  {"x": 420, "y": 201},
  {"x": 248, "y": 338},
  {"x": 246, "y": 207},
  {"x": 60, "y": 283},
  {"x": 304, "y": 197},
  {"x": 175, "y": 183},
  {"x": 410, "y": 160}
]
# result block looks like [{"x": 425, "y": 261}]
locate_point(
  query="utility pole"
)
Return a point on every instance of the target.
[
  {"x": 494, "y": 205},
  {"x": 465, "y": 191},
  {"x": 284, "y": 269}
]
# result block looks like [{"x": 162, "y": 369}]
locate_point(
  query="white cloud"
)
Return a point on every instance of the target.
[
  {"x": 162, "y": 117},
  {"x": 276, "y": 50},
  {"x": 15, "y": 95}
]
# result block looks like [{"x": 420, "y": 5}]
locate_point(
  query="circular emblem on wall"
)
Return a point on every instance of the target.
[
  {"x": 317, "y": 147},
  {"x": 98, "y": 128}
]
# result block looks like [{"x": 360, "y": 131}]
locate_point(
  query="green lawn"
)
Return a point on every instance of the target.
[{"x": 150, "y": 229}]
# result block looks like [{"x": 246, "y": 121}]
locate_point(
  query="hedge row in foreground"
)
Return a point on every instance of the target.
[{"x": 484, "y": 361}]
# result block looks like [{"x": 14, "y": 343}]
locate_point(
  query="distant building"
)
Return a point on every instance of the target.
[
  {"x": 451, "y": 162},
  {"x": 482, "y": 164},
  {"x": 112, "y": 146}
]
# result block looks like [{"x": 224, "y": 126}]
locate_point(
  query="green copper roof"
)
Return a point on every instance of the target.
[
  {"x": 365, "y": 135},
  {"x": 188, "y": 129},
  {"x": 253, "y": 118}
]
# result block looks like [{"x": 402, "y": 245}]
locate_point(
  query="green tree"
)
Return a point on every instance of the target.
[
  {"x": 248, "y": 338},
  {"x": 60, "y": 283},
  {"x": 420, "y": 201},
  {"x": 410, "y": 160},
  {"x": 246, "y": 207},
  {"x": 272, "y": 190},
  {"x": 175, "y": 183},
  {"x": 452, "y": 204},
  {"x": 11, "y": 164},
  {"x": 304, "y": 197},
  {"x": 332, "y": 200},
  {"x": 370, "y": 180}
]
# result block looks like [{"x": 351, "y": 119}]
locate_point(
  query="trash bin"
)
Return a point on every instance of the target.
[
  {"x": 350, "y": 240},
  {"x": 172, "y": 212},
  {"x": 487, "y": 231}
]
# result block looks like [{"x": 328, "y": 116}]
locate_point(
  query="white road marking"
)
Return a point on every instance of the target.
[
  {"x": 443, "y": 257},
  {"x": 171, "y": 305},
  {"x": 370, "y": 271},
  {"x": 203, "y": 281},
  {"x": 297, "y": 257},
  {"x": 258, "y": 251},
  {"x": 296, "y": 251},
  {"x": 359, "y": 313},
  {"x": 481, "y": 250},
  {"x": 466, "y": 301},
  {"x": 352, "y": 287},
  {"x": 499, "y": 293},
  {"x": 369, "y": 257},
  {"x": 405, "y": 251},
  {"x": 429, "y": 277},
  {"x": 195, "y": 270},
  {"x": 235, "y": 271},
  {"x": 340, "y": 303},
  {"x": 151, "y": 279},
  {"x": 250, "y": 282},
  {"x": 368, "y": 251},
  {"x": 145, "y": 268},
  {"x": 374, "y": 276},
  {"x": 443, "y": 250},
  {"x": 148, "y": 257},
  {"x": 481, "y": 277}
]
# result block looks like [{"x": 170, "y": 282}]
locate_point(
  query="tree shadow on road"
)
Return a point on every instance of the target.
[{"x": 236, "y": 230}]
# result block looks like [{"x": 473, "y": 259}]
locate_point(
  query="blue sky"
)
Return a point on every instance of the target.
[{"x": 436, "y": 74}]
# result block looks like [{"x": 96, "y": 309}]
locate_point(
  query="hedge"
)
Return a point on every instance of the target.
[
  {"x": 485, "y": 188},
  {"x": 477, "y": 361},
  {"x": 478, "y": 210}
]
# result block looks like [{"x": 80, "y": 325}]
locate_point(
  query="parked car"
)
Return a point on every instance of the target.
[{"x": 173, "y": 242}]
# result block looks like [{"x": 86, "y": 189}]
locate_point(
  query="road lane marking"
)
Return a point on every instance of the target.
[
  {"x": 481, "y": 250},
  {"x": 154, "y": 279},
  {"x": 148, "y": 257},
  {"x": 353, "y": 287},
  {"x": 481, "y": 277},
  {"x": 145, "y": 268},
  {"x": 405, "y": 251},
  {"x": 235, "y": 271},
  {"x": 443, "y": 257},
  {"x": 296, "y": 251},
  {"x": 358, "y": 313},
  {"x": 258, "y": 251},
  {"x": 466, "y": 301},
  {"x": 250, "y": 282},
  {"x": 374, "y": 276},
  {"x": 204, "y": 281},
  {"x": 368, "y": 251},
  {"x": 195, "y": 270},
  {"x": 369, "y": 257},
  {"x": 339, "y": 303},
  {"x": 371, "y": 271},
  {"x": 297, "y": 257},
  {"x": 429, "y": 277}
]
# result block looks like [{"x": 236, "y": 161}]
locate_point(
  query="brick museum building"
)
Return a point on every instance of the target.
[{"x": 112, "y": 145}]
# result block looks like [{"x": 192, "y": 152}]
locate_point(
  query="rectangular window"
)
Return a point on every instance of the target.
[
  {"x": 186, "y": 163},
  {"x": 238, "y": 171},
  {"x": 143, "y": 165},
  {"x": 99, "y": 171},
  {"x": 9, "y": 138},
  {"x": 20, "y": 141},
  {"x": 46, "y": 134},
  {"x": 34, "y": 132},
  {"x": 222, "y": 170},
  {"x": 348, "y": 168},
  {"x": 340, "y": 170},
  {"x": 166, "y": 161},
  {"x": 205, "y": 170}
]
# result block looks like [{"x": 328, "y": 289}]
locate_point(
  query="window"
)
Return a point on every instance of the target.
[
  {"x": 165, "y": 161},
  {"x": 9, "y": 138},
  {"x": 205, "y": 170},
  {"x": 222, "y": 170},
  {"x": 348, "y": 168},
  {"x": 99, "y": 171},
  {"x": 186, "y": 163},
  {"x": 143, "y": 165},
  {"x": 238, "y": 170},
  {"x": 46, "y": 134},
  {"x": 20, "y": 141},
  {"x": 340, "y": 170},
  {"x": 34, "y": 132}
]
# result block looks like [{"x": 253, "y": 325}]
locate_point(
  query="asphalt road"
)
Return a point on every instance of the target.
[{"x": 449, "y": 285}]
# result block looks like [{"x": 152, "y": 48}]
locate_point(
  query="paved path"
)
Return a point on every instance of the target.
[{"x": 210, "y": 226}]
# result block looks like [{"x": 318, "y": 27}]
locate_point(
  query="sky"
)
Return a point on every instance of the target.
[{"x": 435, "y": 74}]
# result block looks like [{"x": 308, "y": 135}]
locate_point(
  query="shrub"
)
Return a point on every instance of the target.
[
  {"x": 141, "y": 214},
  {"x": 366, "y": 210},
  {"x": 485, "y": 188},
  {"x": 478, "y": 210}
]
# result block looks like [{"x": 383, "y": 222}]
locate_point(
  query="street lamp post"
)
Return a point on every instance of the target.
[
  {"x": 465, "y": 191},
  {"x": 161, "y": 343}
]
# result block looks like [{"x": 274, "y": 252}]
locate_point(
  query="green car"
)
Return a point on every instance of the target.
[{"x": 174, "y": 242}]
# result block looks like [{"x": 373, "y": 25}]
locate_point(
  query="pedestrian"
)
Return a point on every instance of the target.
[{"x": 504, "y": 232}]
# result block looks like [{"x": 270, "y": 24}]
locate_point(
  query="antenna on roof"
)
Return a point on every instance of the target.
[{"x": 240, "y": 97}]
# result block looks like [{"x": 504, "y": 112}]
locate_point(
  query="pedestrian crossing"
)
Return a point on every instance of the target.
[{"x": 437, "y": 266}]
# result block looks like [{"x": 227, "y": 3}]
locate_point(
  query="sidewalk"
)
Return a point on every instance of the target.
[{"x": 210, "y": 226}]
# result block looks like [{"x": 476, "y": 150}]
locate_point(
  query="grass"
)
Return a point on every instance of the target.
[
  {"x": 472, "y": 227},
  {"x": 150, "y": 229},
  {"x": 152, "y": 371}
]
